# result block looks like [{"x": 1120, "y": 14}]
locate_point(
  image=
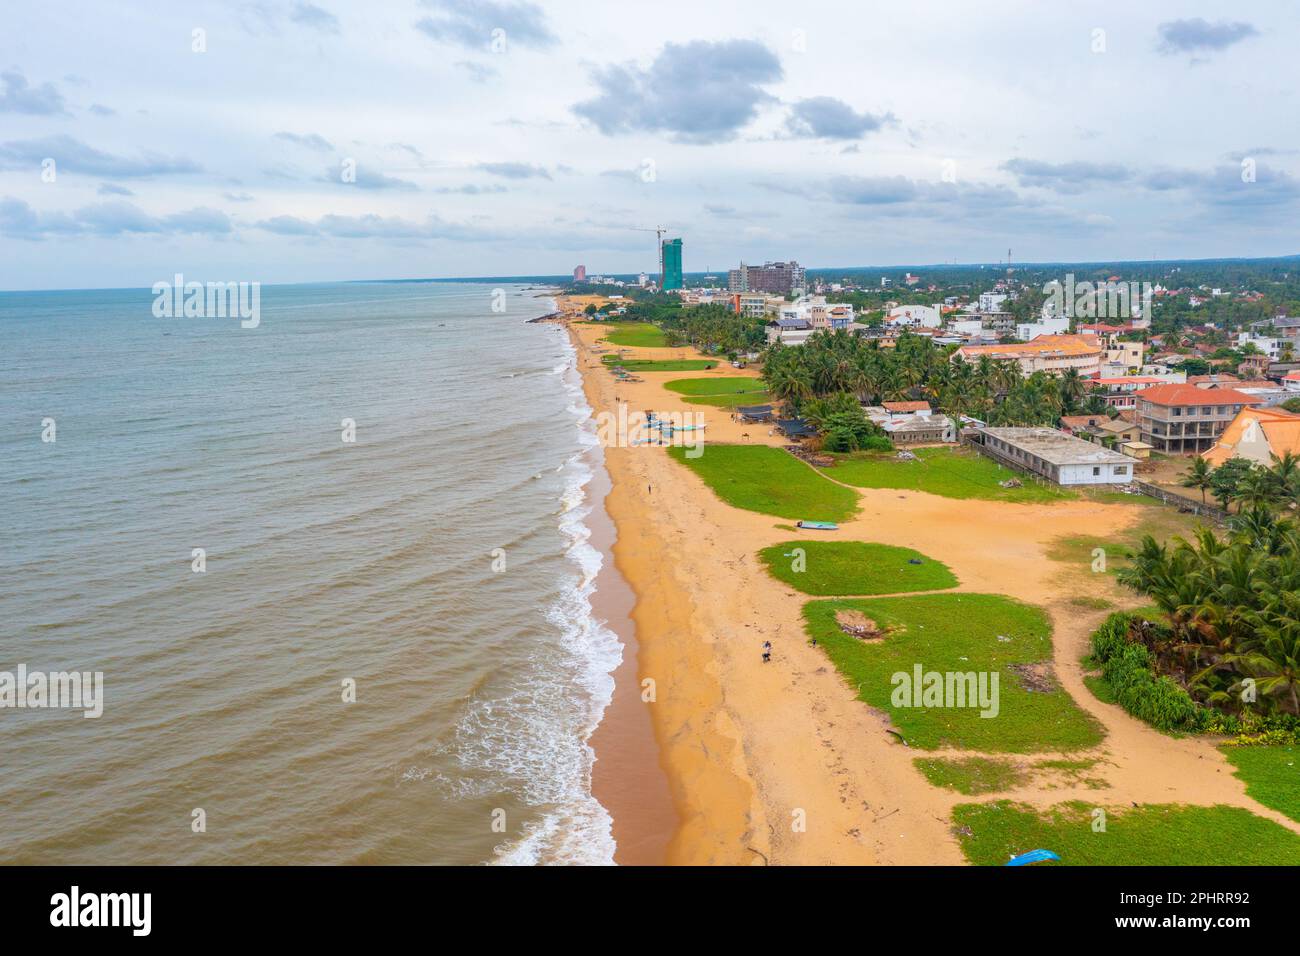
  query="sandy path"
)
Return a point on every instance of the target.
[{"x": 751, "y": 749}]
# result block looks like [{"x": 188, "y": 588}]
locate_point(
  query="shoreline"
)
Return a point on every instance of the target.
[{"x": 781, "y": 762}]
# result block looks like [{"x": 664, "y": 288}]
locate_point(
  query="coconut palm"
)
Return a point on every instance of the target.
[{"x": 1198, "y": 476}]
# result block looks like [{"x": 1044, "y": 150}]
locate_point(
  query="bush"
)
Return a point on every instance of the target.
[{"x": 1128, "y": 669}]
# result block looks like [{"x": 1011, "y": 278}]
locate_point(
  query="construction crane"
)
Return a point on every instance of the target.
[{"x": 659, "y": 241}]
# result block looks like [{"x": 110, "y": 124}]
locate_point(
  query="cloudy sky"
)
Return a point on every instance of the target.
[{"x": 284, "y": 141}]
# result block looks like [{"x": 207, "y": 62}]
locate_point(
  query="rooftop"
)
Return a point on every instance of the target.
[
  {"x": 1185, "y": 394},
  {"x": 1056, "y": 447},
  {"x": 907, "y": 406},
  {"x": 1042, "y": 345}
]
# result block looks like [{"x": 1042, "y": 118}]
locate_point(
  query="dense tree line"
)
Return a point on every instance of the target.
[
  {"x": 1233, "y": 611},
  {"x": 838, "y": 362}
]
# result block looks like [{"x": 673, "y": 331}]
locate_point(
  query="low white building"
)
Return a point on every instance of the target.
[
  {"x": 915, "y": 316},
  {"x": 817, "y": 312},
  {"x": 1056, "y": 456},
  {"x": 965, "y": 326},
  {"x": 1270, "y": 347},
  {"x": 1026, "y": 331},
  {"x": 992, "y": 301}
]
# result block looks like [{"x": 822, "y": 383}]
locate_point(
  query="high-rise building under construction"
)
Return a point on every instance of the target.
[{"x": 672, "y": 265}]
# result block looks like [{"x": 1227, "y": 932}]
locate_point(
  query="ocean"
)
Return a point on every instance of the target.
[{"x": 386, "y": 652}]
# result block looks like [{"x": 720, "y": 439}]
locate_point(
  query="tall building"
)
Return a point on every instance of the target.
[
  {"x": 672, "y": 274},
  {"x": 778, "y": 278},
  {"x": 580, "y": 274}
]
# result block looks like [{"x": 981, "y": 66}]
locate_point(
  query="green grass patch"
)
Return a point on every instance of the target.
[
  {"x": 1272, "y": 775},
  {"x": 854, "y": 567},
  {"x": 714, "y": 386},
  {"x": 659, "y": 365},
  {"x": 972, "y": 775},
  {"x": 635, "y": 335},
  {"x": 769, "y": 481},
  {"x": 956, "y": 633},
  {"x": 950, "y": 472},
  {"x": 1100, "y": 689},
  {"x": 1088, "y": 603},
  {"x": 731, "y": 401},
  {"x": 1153, "y": 835},
  {"x": 721, "y": 392}
]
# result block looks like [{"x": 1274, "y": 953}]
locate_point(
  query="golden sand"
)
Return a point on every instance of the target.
[{"x": 751, "y": 750}]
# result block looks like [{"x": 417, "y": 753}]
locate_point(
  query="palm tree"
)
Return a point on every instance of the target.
[
  {"x": 1198, "y": 476},
  {"x": 1256, "y": 489},
  {"x": 1286, "y": 468},
  {"x": 1072, "y": 387}
]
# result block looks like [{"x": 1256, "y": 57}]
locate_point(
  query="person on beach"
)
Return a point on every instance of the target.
[{"x": 767, "y": 651}]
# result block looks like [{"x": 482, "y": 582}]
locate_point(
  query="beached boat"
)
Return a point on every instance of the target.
[{"x": 818, "y": 525}]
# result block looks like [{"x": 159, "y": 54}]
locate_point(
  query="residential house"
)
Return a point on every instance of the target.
[
  {"x": 1182, "y": 418},
  {"x": 911, "y": 423},
  {"x": 1258, "y": 435}
]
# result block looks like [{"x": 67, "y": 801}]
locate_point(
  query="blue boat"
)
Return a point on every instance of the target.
[{"x": 1033, "y": 856}]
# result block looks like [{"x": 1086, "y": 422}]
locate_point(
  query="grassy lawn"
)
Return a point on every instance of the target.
[
  {"x": 660, "y": 365},
  {"x": 733, "y": 400},
  {"x": 950, "y": 472},
  {"x": 635, "y": 335},
  {"x": 956, "y": 633},
  {"x": 720, "y": 392},
  {"x": 714, "y": 386},
  {"x": 972, "y": 775},
  {"x": 855, "y": 567},
  {"x": 1272, "y": 775},
  {"x": 1154, "y": 835},
  {"x": 769, "y": 481}
]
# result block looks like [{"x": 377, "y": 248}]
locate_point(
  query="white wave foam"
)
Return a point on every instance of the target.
[{"x": 576, "y": 829}]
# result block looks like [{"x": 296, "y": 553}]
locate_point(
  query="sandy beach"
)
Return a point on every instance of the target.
[{"x": 748, "y": 748}]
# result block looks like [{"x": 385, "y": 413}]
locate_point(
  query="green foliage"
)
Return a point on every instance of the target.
[
  {"x": 770, "y": 481},
  {"x": 949, "y": 472},
  {"x": 714, "y": 386},
  {"x": 972, "y": 775},
  {"x": 1271, "y": 773},
  {"x": 1151, "y": 835},
  {"x": 1233, "y": 610},
  {"x": 716, "y": 329},
  {"x": 957, "y": 633},
  {"x": 635, "y": 334},
  {"x": 854, "y": 567},
  {"x": 659, "y": 365}
]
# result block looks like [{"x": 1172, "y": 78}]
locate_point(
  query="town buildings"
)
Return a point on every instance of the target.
[
  {"x": 1056, "y": 456},
  {"x": 1180, "y": 419},
  {"x": 778, "y": 278},
  {"x": 1047, "y": 353},
  {"x": 1258, "y": 435}
]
